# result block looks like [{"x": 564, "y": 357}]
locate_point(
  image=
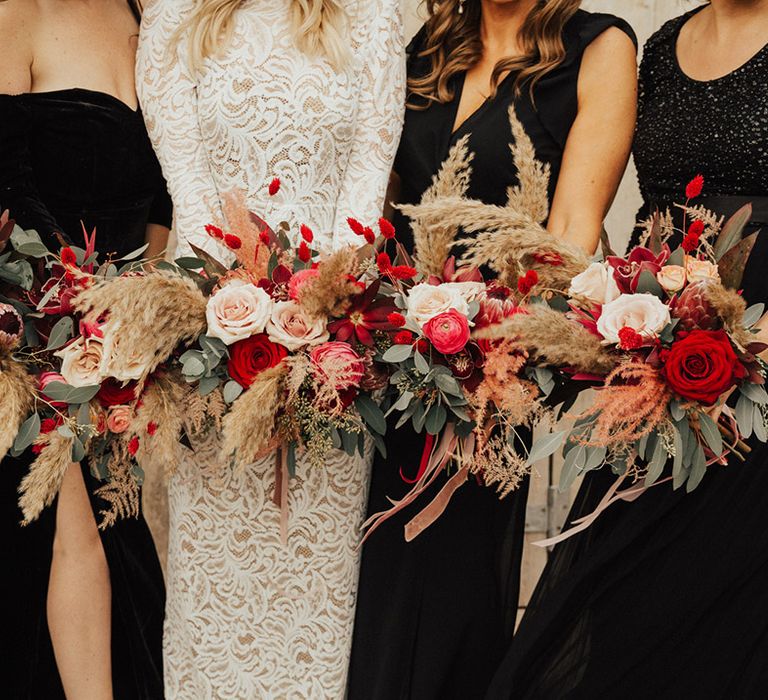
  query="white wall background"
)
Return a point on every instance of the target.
[{"x": 645, "y": 16}]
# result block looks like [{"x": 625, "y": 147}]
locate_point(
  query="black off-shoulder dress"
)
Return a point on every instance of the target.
[
  {"x": 667, "y": 597},
  {"x": 434, "y": 616},
  {"x": 71, "y": 158}
]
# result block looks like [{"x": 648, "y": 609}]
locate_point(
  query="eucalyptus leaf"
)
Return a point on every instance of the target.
[
  {"x": 573, "y": 463},
  {"x": 371, "y": 413},
  {"x": 407, "y": 414},
  {"x": 84, "y": 415},
  {"x": 435, "y": 420},
  {"x": 677, "y": 461},
  {"x": 546, "y": 446},
  {"x": 335, "y": 438},
  {"x": 133, "y": 255},
  {"x": 595, "y": 458},
  {"x": 759, "y": 424},
  {"x": 711, "y": 434},
  {"x": 397, "y": 353},
  {"x": 755, "y": 392},
  {"x": 752, "y": 315},
  {"x": 745, "y": 415},
  {"x": 656, "y": 464},
  {"x": 448, "y": 384},
  {"x": 677, "y": 258},
  {"x": 380, "y": 445},
  {"x": 33, "y": 250},
  {"x": 676, "y": 410},
  {"x": 419, "y": 416},
  {"x": 402, "y": 402},
  {"x": 648, "y": 284},
  {"x": 28, "y": 433},
  {"x": 194, "y": 367},
  {"x": 698, "y": 469},
  {"x": 78, "y": 450},
  {"x": 420, "y": 363},
  {"x": 65, "y": 431},
  {"x": 348, "y": 442},
  {"x": 232, "y": 390},
  {"x": 61, "y": 332},
  {"x": 190, "y": 263},
  {"x": 59, "y": 391},
  {"x": 47, "y": 296},
  {"x": 207, "y": 385}
]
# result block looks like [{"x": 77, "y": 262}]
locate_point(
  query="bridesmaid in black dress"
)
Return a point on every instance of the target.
[
  {"x": 434, "y": 616},
  {"x": 82, "y": 613},
  {"x": 667, "y": 597}
]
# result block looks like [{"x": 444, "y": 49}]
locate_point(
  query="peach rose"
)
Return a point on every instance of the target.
[
  {"x": 671, "y": 278},
  {"x": 237, "y": 311},
  {"x": 119, "y": 419},
  {"x": 291, "y": 327},
  {"x": 701, "y": 270},
  {"x": 596, "y": 284},
  {"x": 81, "y": 361}
]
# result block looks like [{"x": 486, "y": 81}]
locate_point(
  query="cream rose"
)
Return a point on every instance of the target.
[
  {"x": 115, "y": 363},
  {"x": 596, "y": 284},
  {"x": 81, "y": 361},
  {"x": 425, "y": 301},
  {"x": 671, "y": 278},
  {"x": 702, "y": 270},
  {"x": 645, "y": 313},
  {"x": 119, "y": 419},
  {"x": 237, "y": 311},
  {"x": 469, "y": 291},
  {"x": 290, "y": 327}
]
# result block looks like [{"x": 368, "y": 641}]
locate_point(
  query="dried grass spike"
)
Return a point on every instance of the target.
[
  {"x": 329, "y": 293},
  {"x": 531, "y": 195},
  {"x": 42, "y": 483},
  {"x": 17, "y": 388}
]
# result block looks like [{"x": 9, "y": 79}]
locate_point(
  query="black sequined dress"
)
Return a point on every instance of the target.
[
  {"x": 667, "y": 597},
  {"x": 434, "y": 615},
  {"x": 68, "y": 159}
]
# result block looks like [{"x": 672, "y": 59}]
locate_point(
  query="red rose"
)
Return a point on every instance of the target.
[
  {"x": 448, "y": 331},
  {"x": 249, "y": 357},
  {"x": 703, "y": 366},
  {"x": 115, "y": 393}
]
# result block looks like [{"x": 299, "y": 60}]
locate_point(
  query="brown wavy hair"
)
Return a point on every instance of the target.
[{"x": 453, "y": 45}]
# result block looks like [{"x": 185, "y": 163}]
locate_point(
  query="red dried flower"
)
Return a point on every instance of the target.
[
  {"x": 396, "y": 319},
  {"x": 214, "y": 231},
  {"x": 386, "y": 228},
  {"x": 305, "y": 254},
  {"x": 370, "y": 236},
  {"x": 696, "y": 228},
  {"x": 402, "y": 272},
  {"x": 422, "y": 345},
  {"x": 306, "y": 233},
  {"x": 274, "y": 187},
  {"x": 527, "y": 282},
  {"x": 630, "y": 339},
  {"x": 68, "y": 256},
  {"x": 694, "y": 187},
  {"x": 384, "y": 263},
  {"x": 133, "y": 445},
  {"x": 264, "y": 237},
  {"x": 403, "y": 338},
  {"x": 690, "y": 243},
  {"x": 356, "y": 226},
  {"x": 233, "y": 242},
  {"x": 553, "y": 259},
  {"x": 151, "y": 428}
]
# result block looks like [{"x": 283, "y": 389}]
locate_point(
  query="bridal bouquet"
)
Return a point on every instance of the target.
[
  {"x": 74, "y": 384},
  {"x": 291, "y": 338}
]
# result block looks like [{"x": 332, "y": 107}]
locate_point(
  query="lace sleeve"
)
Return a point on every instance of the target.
[
  {"x": 379, "y": 122},
  {"x": 168, "y": 97}
]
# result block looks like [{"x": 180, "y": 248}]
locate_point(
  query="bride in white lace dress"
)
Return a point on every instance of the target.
[{"x": 236, "y": 92}]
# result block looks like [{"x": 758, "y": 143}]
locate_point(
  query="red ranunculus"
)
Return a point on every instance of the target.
[
  {"x": 703, "y": 366},
  {"x": 448, "y": 331},
  {"x": 249, "y": 357},
  {"x": 115, "y": 393}
]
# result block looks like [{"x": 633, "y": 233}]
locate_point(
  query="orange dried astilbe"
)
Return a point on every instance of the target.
[
  {"x": 631, "y": 404},
  {"x": 252, "y": 254}
]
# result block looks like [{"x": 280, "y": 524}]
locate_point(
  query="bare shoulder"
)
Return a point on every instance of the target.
[
  {"x": 18, "y": 22},
  {"x": 611, "y": 46}
]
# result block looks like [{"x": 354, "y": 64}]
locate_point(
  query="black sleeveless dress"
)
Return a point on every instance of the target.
[
  {"x": 68, "y": 157},
  {"x": 435, "y": 615},
  {"x": 667, "y": 597}
]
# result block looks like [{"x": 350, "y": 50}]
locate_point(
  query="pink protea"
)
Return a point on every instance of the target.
[
  {"x": 11, "y": 326},
  {"x": 694, "y": 310}
]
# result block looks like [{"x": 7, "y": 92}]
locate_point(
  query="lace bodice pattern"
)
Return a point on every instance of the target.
[{"x": 263, "y": 109}]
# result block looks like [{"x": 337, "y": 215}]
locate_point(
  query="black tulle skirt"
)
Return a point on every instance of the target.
[
  {"x": 138, "y": 598},
  {"x": 435, "y": 615},
  {"x": 666, "y": 597}
]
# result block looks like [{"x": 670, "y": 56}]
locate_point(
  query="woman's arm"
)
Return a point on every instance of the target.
[
  {"x": 600, "y": 140},
  {"x": 168, "y": 96},
  {"x": 379, "y": 123}
]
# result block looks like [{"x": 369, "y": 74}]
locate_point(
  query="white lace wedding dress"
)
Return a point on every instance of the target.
[{"x": 248, "y": 617}]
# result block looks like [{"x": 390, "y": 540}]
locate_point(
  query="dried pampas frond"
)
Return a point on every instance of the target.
[
  {"x": 531, "y": 194},
  {"x": 252, "y": 254},
  {"x": 17, "y": 387},
  {"x": 729, "y": 306},
  {"x": 550, "y": 338},
  {"x": 329, "y": 293},
  {"x": 162, "y": 406},
  {"x": 499, "y": 465},
  {"x": 42, "y": 483},
  {"x": 250, "y": 426},
  {"x": 122, "y": 492},
  {"x": 433, "y": 239},
  {"x": 147, "y": 318}
]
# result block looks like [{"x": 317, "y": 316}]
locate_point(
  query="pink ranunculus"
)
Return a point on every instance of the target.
[
  {"x": 47, "y": 378},
  {"x": 338, "y": 363},
  {"x": 448, "y": 331},
  {"x": 119, "y": 419},
  {"x": 298, "y": 280}
]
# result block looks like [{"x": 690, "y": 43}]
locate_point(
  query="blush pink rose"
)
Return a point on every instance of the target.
[
  {"x": 338, "y": 363},
  {"x": 298, "y": 280},
  {"x": 47, "y": 378},
  {"x": 448, "y": 332},
  {"x": 119, "y": 419}
]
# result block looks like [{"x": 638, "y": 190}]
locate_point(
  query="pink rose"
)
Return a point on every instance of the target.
[
  {"x": 291, "y": 327},
  {"x": 338, "y": 363},
  {"x": 47, "y": 378},
  {"x": 298, "y": 280},
  {"x": 119, "y": 419},
  {"x": 448, "y": 332}
]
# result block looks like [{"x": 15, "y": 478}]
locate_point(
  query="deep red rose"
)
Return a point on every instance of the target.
[
  {"x": 114, "y": 393},
  {"x": 249, "y": 357},
  {"x": 703, "y": 366}
]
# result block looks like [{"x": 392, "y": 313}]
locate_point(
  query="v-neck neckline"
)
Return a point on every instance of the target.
[{"x": 456, "y": 131}]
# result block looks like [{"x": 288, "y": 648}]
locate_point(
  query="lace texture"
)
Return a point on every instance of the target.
[{"x": 248, "y": 617}]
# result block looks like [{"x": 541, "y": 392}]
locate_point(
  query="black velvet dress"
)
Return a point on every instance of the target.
[
  {"x": 68, "y": 157},
  {"x": 667, "y": 597},
  {"x": 435, "y": 615}
]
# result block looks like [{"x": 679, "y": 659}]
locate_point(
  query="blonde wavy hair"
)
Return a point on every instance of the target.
[
  {"x": 453, "y": 45},
  {"x": 319, "y": 26}
]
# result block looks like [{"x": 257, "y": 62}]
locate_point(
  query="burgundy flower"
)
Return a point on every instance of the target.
[
  {"x": 364, "y": 315},
  {"x": 627, "y": 271}
]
